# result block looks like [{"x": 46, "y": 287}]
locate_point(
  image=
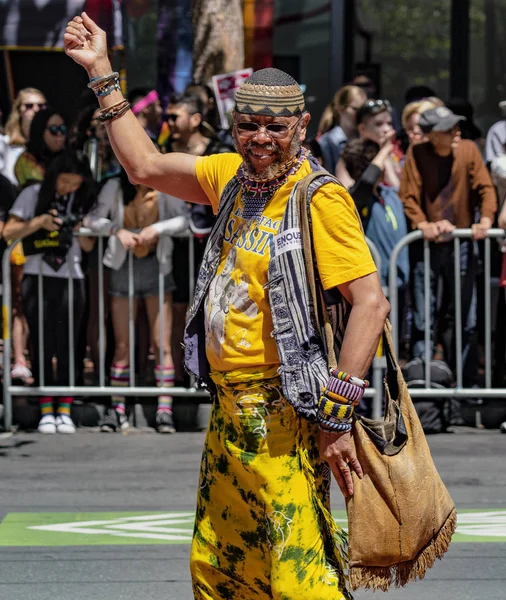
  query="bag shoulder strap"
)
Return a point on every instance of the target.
[
  {"x": 304, "y": 205},
  {"x": 320, "y": 311}
]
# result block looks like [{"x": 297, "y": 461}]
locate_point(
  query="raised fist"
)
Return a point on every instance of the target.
[{"x": 85, "y": 42}]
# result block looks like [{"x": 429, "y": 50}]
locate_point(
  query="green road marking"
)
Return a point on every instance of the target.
[
  {"x": 96, "y": 529},
  {"x": 115, "y": 528}
]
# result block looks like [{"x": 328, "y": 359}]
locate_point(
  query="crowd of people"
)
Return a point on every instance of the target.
[
  {"x": 431, "y": 169},
  {"x": 56, "y": 177},
  {"x": 434, "y": 171}
]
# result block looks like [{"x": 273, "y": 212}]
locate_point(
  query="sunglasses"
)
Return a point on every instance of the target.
[
  {"x": 170, "y": 117},
  {"x": 30, "y": 105},
  {"x": 376, "y": 105},
  {"x": 275, "y": 130},
  {"x": 372, "y": 107},
  {"x": 57, "y": 129}
]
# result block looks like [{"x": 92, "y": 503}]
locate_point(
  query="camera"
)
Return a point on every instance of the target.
[
  {"x": 66, "y": 233},
  {"x": 69, "y": 221}
]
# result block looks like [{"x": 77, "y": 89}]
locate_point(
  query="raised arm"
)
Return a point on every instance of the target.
[{"x": 172, "y": 173}]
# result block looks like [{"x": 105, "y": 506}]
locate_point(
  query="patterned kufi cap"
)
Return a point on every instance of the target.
[{"x": 270, "y": 92}]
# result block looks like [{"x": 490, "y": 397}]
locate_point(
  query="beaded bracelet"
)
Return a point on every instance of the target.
[
  {"x": 111, "y": 87},
  {"x": 343, "y": 388},
  {"x": 114, "y": 112},
  {"x": 98, "y": 81},
  {"x": 337, "y": 398},
  {"x": 363, "y": 383},
  {"x": 335, "y": 427},
  {"x": 327, "y": 408},
  {"x": 105, "y": 85}
]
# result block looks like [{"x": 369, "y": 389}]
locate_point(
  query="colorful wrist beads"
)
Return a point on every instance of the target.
[
  {"x": 105, "y": 85},
  {"x": 338, "y": 400}
]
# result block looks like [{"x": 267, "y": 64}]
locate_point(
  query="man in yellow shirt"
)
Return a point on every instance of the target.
[{"x": 280, "y": 418}]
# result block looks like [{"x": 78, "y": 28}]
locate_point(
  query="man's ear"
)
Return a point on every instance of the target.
[
  {"x": 195, "y": 120},
  {"x": 304, "y": 123}
]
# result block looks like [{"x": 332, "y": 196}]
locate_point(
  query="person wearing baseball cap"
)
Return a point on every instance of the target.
[
  {"x": 443, "y": 182},
  {"x": 439, "y": 118}
]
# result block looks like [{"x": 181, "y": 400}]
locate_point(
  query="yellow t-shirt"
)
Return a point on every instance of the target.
[{"x": 237, "y": 313}]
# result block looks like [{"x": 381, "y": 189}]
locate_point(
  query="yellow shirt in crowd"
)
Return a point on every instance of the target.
[{"x": 237, "y": 312}]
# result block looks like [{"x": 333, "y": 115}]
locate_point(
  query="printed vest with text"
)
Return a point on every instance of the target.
[{"x": 302, "y": 355}]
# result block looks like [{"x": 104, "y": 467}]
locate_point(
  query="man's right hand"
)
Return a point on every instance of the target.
[
  {"x": 86, "y": 44},
  {"x": 338, "y": 451}
]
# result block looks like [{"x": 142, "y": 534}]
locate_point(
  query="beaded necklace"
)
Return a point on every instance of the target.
[{"x": 257, "y": 192}]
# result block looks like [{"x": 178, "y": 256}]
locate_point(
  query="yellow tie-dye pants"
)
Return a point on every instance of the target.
[{"x": 263, "y": 527}]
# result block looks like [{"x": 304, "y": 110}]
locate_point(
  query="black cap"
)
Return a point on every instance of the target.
[{"x": 439, "y": 118}]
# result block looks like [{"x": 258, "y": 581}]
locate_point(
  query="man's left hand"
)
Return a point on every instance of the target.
[
  {"x": 480, "y": 229},
  {"x": 337, "y": 449}
]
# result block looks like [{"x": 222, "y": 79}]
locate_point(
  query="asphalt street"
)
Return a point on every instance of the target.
[{"x": 110, "y": 517}]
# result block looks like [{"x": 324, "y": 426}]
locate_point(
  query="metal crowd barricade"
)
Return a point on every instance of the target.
[
  {"x": 376, "y": 391},
  {"x": 379, "y": 363},
  {"x": 91, "y": 391},
  {"x": 459, "y": 391}
]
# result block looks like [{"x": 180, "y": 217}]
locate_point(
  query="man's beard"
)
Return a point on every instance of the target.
[{"x": 280, "y": 157}]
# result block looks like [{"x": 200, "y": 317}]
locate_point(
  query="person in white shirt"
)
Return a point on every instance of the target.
[{"x": 45, "y": 215}]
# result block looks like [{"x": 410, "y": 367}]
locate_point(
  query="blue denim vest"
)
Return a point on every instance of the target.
[{"x": 303, "y": 362}]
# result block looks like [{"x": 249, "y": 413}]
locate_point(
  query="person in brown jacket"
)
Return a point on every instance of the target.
[{"x": 445, "y": 184}]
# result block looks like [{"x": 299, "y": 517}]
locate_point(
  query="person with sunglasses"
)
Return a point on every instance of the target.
[
  {"x": 263, "y": 525},
  {"x": 374, "y": 122},
  {"x": 27, "y": 103},
  {"x": 46, "y": 141},
  {"x": 48, "y": 135}
]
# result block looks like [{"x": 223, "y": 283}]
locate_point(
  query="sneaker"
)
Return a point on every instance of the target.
[
  {"x": 114, "y": 421},
  {"x": 165, "y": 422},
  {"x": 64, "y": 424},
  {"x": 47, "y": 424},
  {"x": 20, "y": 371}
]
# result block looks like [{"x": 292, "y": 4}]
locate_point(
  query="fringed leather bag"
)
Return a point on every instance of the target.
[{"x": 401, "y": 516}]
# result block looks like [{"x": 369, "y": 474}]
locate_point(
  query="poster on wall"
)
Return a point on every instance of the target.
[
  {"x": 225, "y": 87},
  {"x": 42, "y": 23}
]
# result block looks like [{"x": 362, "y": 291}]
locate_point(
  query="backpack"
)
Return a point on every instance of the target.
[{"x": 434, "y": 411}]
